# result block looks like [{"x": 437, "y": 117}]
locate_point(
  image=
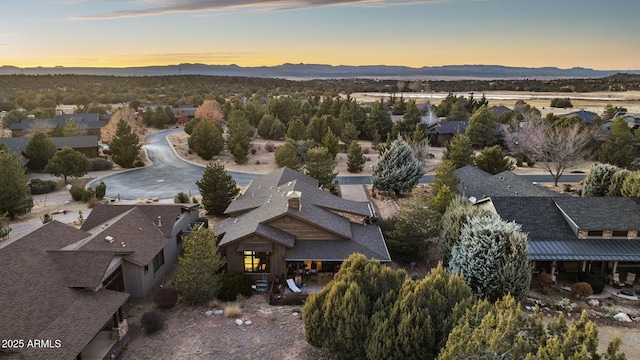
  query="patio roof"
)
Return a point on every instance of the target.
[{"x": 585, "y": 249}]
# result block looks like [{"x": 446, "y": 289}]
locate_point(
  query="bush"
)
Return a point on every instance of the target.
[
  {"x": 253, "y": 151},
  {"x": 100, "y": 164},
  {"x": 181, "y": 198},
  {"x": 270, "y": 147},
  {"x": 88, "y": 194},
  {"x": 76, "y": 192},
  {"x": 546, "y": 281},
  {"x": 101, "y": 190},
  {"x": 166, "y": 297},
  {"x": 152, "y": 321},
  {"x": 234, "y": 284},
  {"x": 37, "y": 186},
  {"x": 204, "y": 220},
  {"x": 232, "y": 311},
  {"x": 583, "y": 289},
  {"x": 563, "y": 304}
]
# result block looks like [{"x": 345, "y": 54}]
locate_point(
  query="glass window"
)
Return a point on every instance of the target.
[
  {"x": 158, "y": 261},
  {"x": 595, "y": 233},
  {"x": 619, "y": 233},
  {"x": 256, "y": 261}
]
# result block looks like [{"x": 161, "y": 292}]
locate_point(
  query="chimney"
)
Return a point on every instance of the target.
[
  {"x": 294, "y": 201},
  {"x": 159, "y": 221}
]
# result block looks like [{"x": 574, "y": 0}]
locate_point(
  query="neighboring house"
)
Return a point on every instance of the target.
[
  {"x": 586, "y": 117},
  {"x": 600, "y": 234},
  {"x": 87, "y": 145},
  {"x": 498, "y": 110},
  {"x": 147, "y": 239},
  {"x": 284, "y": 224},
  {"x": 61, "y": 297},
  {"x": 481, "y": 184},
  {"x": 445, "y": 130},
  {"x": 89, "y": 123}
]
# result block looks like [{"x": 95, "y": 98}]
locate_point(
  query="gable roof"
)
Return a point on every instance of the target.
[
  {"x": 587, "y": 117},
  {"x": 602, "y": 213},
  {"x": 449, "y": 127},
  {"x": 18, "y": 145},
  {"x": 475, "y": 183},
  {"x": 81, "y": 269},
  {"x": 266, "y": 199},
  {"x": 104, "y": 214},
  {"x": 547, "y": 223},
  {"x": 37, "y": 302}
]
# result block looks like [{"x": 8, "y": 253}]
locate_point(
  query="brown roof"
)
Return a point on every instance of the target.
[
  {"x": 81, "y": 269},
  {"x": 38, "y": 304},
  {"x": 102, "y": 214}
]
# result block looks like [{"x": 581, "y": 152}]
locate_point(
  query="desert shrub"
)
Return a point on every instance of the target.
[
  {"x": 100, "y": 164},
  {"x": 234, "y": 284},
  {"x": 181, "y": 198},
  {"x": 76, "y": 192},
  {"x": 138, "y": 163},
  {"x": 46, "y": 218},
  {"x": 270, "y": 147},
  {"x": 166, "y": 297},
  {"x": 204, "y": 220},
  {"x": 194, "y": 200},
  {"x": 92, "y": 203},
  {"x": 101, "y": 190},
  {"x": 152, "y": 321},
  {"x": 37, "y": 186},
  {"x": 545, "y": 280},
  {"x": 583, "y": 289},
  {"x": 88, "y": 194},
  {"x": 563, "y": 304},
  {"x": 232, "y": 311},
  {"x": 253, "y": 151}
]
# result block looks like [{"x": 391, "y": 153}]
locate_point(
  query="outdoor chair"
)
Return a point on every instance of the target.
[
  {"x": 616, "y": 280},
  {"x": 292, "y": 286},
  {"x": 631, "y": 278}
]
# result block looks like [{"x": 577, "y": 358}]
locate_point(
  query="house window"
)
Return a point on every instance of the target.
[
  {"x": 619, "y": 233},
  {"x": 256, "y": 261},
  {"x": 158, "y": 261},
  {"x": 595, "y": 233}
]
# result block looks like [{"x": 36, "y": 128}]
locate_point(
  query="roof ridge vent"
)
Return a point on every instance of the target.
[{"x": 108, "y": 239}]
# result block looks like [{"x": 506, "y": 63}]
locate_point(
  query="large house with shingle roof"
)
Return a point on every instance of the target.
[
  {"x": 68, "y": 284},
  {"x": 283, "y": 221},
  {"x": 89, "y": 123}
]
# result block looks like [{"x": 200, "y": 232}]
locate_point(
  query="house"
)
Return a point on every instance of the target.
[
  {"x": 146, "y": 239},
  {"x": 480, "y": 184},
  {"x": 443, "y": 131},
  {"x": 87, "y": 145},
  {"x": 586, "y": 117},
  {"x": 58, "y": 298},
  {"x": 285, "y": 224},
  {"x": 598, "y": 234},
  {"x": 90, "y": 123}
]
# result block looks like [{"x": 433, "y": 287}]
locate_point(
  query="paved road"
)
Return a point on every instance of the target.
[{"x": 169, "y": 175}]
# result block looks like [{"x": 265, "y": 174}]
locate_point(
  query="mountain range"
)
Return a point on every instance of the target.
[{"x": 318, "y": 71}]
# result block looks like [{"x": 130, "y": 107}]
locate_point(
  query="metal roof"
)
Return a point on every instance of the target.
[{"x": 585, "y": 249}]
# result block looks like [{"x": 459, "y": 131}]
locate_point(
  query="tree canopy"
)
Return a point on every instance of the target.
[
  {"x": 217, "y": 188},
  {"x": 40, "y": 149},
  {"x": 15, "y": 197},
  {"x": 397, "y": 169},
  {"x": 125, "y": 146},
  {"x": 206, "y": 139},
  {"x": 68, "y": 162}
]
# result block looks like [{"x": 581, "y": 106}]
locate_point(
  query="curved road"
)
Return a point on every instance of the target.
[{"x": 169, "y": 174}]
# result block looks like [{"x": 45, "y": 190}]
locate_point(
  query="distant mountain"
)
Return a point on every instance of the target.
[{"x": 318, "y": 71}]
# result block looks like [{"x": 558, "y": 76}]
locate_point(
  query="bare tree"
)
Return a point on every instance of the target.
[
  {"x": 108, "y": 132},
  {"x": 210, "y": 110},
  {"x": 555, "y": 148}
]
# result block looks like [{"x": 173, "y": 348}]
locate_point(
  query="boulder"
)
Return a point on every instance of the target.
[
  {"x": 594, "y": 302},
  {"x": 622, "y": 317}
]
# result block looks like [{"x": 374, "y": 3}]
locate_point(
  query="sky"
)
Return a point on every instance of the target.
[{"x": 597, "y": 34}]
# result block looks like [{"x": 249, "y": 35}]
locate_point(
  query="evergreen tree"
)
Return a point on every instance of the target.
[
  {"x": 482, "y": 128},
  {"x": 71, "y": 128},
  {"x": 286, "y": 155},
  {"x": 15, "y": 196},
  {"x": 398, "y": 169},
  {"x": 617, "y": 179},
  {"x": 68, "y": 163},
  {"x": 598, "y": 180},
  {"x": 200, "y": 267},
  {"x": 240, "y": 134},
  {"x": 457, "y": 214},
  {"x": 349, "y": 133},
  {"x": 4, "y": 229},
  {"x": 441, "y": 200},
  {"x": 206, "y": 139},
  {"x": 379, "y": 120},
  {"x": 125, "y": 146},
  {"x": 491, "y": 255},
  {"x": 217, "y": 188},
  {"x": 631, "y": 185},
  {"x": 296, "y": 131},
  {"x": 355, "y": 159},
  {"x": 321, "y": 165},
  {"x": 618, "y": 149},
  {"x": 40, "y": 149},
  {"x": 331, "y": 142},
  {"x": 189, "y": 126},
  {"x": 278, "y": 130},
  {"x": 445, "y": 175},
  {"x": 264, "y": 126},
  {"x": 460, "y": 151},
  {"x": 315, "y": 129},
  {"x": 493, "y": 160}
]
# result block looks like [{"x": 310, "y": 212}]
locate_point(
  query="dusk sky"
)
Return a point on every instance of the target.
[{"x": 598, "y": 34}]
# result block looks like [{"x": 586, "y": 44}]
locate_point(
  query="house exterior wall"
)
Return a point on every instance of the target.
[
  {"x": 300, "y": 229},
  {"x": 235, "y": 260},
  {"x": 133, "y": 276}
]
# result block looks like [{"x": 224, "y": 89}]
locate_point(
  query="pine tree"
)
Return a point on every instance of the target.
[
  {"x": 206, "y": 140},
  {"x": 125, "y": 146},
  {"x": 459, "y": 150},
  {"x": 15, "y": 197},
  {"x": 398, "y": 169},
  {"x": 68, "y": 163},
  {"x": 240, "y": 134},
  {"x": 40, "y": 149},
  {"x": 321, "y": 165},
  {"x": 264, "y": 126},
  {"x": 355, "y": 159},
  {"x": 617, "y": 179},
  {"x": 200, "y": 267},
  {"x": 297, "y": 130},
  {"x": 445, "y": 175},
  {"x": 618, "y": 149},
  {"x": 493, "y": 160},
  {"x": 482, "y": 128},
  {"x": 217, "y": 188},
  {"x": 331, "y": 142},
  {"x": 631, "y": 185},
  {"x": 491, "y": 255},
  {"x": 598, "y": 180},
  {"x": 286, "y": 155}
]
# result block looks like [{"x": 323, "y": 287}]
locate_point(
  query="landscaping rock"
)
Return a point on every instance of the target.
[
  {"x": 622, "y": 317},
  {"x": 239, "y": 322},
  {"x": 594, "y": 302}
]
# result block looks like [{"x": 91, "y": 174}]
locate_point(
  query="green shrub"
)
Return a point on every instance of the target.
[
  {"x": 152, "y": 321},
  {"x": 101, "y": 190},
  {"x": 181, "y": 198},
  {"x": 88, "y": 194},
  {"x": 583, "y": 289},
  {"x": 76, "y": 192},
  {"x": 100, "y": 164},
  {"x": 166, "y": 297},
  {"x": 37, "y": 186},
  {"x": 138, "y": 163},
  {"x": 204, "y": 220},
  {"x": 234, "y": 284}
]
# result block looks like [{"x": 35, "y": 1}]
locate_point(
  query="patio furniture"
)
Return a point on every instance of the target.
[
  {"x": 615, "y": 281},
  {"x": 631, "y": 278},
  {"x": 292, "y": 286}
]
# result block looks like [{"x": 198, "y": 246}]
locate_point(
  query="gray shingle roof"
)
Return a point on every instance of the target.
[
  {"x": 539, "y": 216},
  {"x": 19, "y": 144},
  {"x": 81, "y": 269},
  {"x": 449, "y": 127},
  {"x": 602, "y": 213},
  {"x": 475, "y": 182},
  {"x": 38, "y": 304}
]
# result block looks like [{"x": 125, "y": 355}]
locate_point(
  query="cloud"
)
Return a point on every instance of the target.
[{"x": 160, "y": 7}]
